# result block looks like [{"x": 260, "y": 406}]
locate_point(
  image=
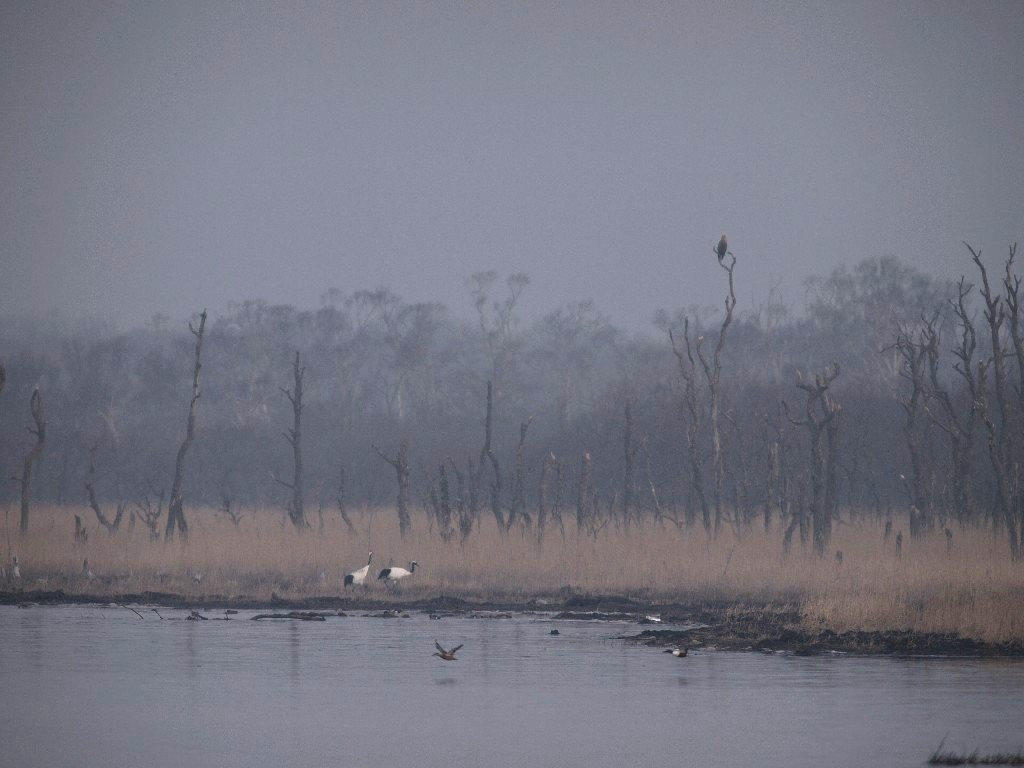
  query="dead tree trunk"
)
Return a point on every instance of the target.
[
  {"x": 691, "y": 412},
  {"x": 341, "y": 501},
  {"x": 542, "y": 494},
  {"x": 517, "y": 511},
  {"x": 90, "y": 489},
  {"x": 400, "y": 463},
  {"x": 959, "y": 429},
  {"x": 1000, "y": 441},
  {"x": 820, "y": 412},
  {"x": 296, "y": 507},
  {"x": 913, "y": 353},
  {"x": 629, "y": 455},
  {"x": 584, "y": 508},
  {"x": 444, "y": 506},
  {"x": 476, "y": 473},
  {"x": 1015, "y": 321},
  {"x": 39, "y": 417},
  {"x": 175, "y": 511}
]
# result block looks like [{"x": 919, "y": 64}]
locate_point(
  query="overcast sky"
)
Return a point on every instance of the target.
[{"x": 162, "y": 157}]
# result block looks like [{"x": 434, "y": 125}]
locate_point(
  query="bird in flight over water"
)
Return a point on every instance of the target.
[{"x": 446, "y": 655}]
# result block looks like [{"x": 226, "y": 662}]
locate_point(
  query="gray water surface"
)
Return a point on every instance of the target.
[{"x": 97, "y": 686}]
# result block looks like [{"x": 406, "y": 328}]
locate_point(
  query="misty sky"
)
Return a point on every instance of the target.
[{"x": 162, "y": 157}]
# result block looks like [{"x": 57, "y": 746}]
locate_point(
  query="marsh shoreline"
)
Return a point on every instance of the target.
[{"x": 726, "y": 626}]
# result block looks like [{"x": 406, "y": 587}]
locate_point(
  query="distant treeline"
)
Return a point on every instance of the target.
[{"x": 854, "y": 401}]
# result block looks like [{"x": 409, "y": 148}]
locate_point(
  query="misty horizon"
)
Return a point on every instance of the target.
[{"x": 159, "y": 159}]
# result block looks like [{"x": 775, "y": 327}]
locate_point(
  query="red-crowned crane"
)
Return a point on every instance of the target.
[
  {"x": 393, "y": 575},
  {"x": 359, "y": 576}
]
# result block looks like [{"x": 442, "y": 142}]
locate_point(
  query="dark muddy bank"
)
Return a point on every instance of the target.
[
  {"x": 782, "y": 631},
  {"x": 725, "y": 626}
]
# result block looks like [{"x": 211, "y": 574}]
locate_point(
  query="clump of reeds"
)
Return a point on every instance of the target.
[
  {"x": 938, "y": 757},
  {"x": 971, "y": 589}
]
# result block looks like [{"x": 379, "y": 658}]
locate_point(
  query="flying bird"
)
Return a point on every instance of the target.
[
  {"x": 392, "y": 575},
  {"x": 722, "y": 249},
  {"x": 359, "y": 576},
  {"x": 446, "y": 655}
]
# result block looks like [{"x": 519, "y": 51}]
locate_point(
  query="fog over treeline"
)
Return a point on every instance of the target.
[{"x": 379, "y": 371}]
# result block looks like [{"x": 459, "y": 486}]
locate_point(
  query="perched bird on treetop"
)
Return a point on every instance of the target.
[{"x": 723, "y": 246}]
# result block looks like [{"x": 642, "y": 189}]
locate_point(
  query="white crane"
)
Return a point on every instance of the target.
[
  {"x": 393, "y": 575},
  {"x": 359, "y": 576},
  {"x": 15, "y": 571}
]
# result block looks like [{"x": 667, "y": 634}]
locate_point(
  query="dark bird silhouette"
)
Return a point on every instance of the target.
[
  {"x": 446, "y": 655},
  {"x": 722, "y": 249}
]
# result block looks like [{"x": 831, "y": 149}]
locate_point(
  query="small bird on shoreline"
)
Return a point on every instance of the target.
[
  {"x": 679, "y": 653},
  {"x": 446, "y": 655}
]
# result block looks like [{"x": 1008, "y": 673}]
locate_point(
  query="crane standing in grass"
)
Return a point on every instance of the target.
[
  {"x": 359, "y": 576},
  {"x": 394, "y": 575}
]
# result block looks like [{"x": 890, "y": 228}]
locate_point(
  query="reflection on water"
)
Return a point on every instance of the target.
[{"x": 95, "y": 686}]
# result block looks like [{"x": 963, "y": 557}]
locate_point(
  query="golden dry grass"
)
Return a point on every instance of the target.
[{"x": 974, "y": 590}]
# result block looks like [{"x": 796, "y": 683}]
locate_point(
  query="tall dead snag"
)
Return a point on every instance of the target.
[
  {"x": 476, "y": 473},
  {"x": 629, "y": 454},
  {"x": 90, "y": 489},
  {"x": 400, "y": 463},
  {"x": 820, "y": 412},
  {"x": 465, "y": 516},
  {"x": 584, "y": 500},
  {"x": 175, "y": 513},
  {"x": 517, "y": 511},
  {"x": 340, "y": 496},
  {"x": 443, "y": 511},
  {"x": 1015, "y": 321},
  {"x": 940, "y": 407},
  {"x": 542, "y": 494},
  {"x": 691, "y": 411},
  {"x": 39, "y": 417},
  {"x": 913, "y": 351},
  {"x": 296, "y": 507},
  {"x": 1000, "y": 439}
]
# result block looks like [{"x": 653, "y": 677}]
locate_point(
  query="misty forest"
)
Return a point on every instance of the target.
[{"x": 888, "y": 393}]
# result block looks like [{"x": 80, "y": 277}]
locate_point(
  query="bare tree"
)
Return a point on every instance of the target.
[
  {"x": 913, "y": 351},
  {"x": 691, "y": 412},
  {"x": 820, "y": 411},
  {"x": 296, "y": 507},
  {"x": 175, "y": 511},
  {"x": 149, "y": 510},
  {"x": 1000, "y": 440},
  {"x": 629, "y": 454},
  {"x": 940, "y": 405},
  {"x": 39, "y": 417},
  {"x": 400, "y": 463},
  {"x": 340, "y": 496},
  {"x": 90, "y": 489},
  {"x": 517, "y": 510},
  {"x": 584, "y": 496}
]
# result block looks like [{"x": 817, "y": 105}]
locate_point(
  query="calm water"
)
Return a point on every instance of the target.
[{"x": 95, "y": 686}]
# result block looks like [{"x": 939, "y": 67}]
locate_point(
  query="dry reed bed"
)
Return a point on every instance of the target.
[{"x": 973, "y": 590}]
